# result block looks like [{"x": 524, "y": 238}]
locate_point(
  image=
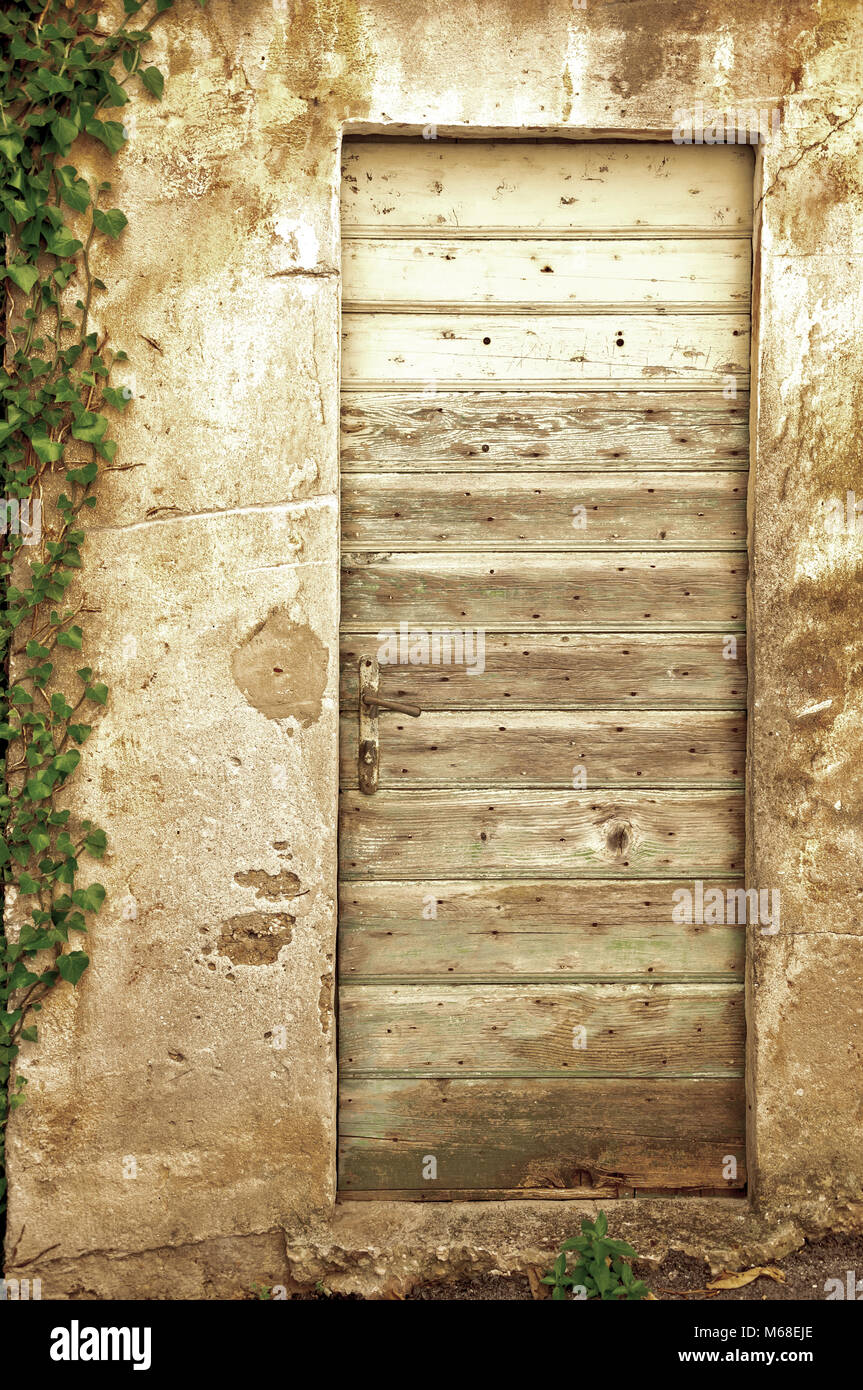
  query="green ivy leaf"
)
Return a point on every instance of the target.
[
  {"x": 74, "y": 191},
  {"x": 111, "y": 223},
  {"x": 90, "y": 427},
  {"x": 64, "y": 132},
  {"x": 89, "y": 899},
  {"x": 62, "y": 243},
  {"x": 46, "y": 450},
  {"x": 96, "y": 843},
  {"x": 21, "y": 977},
  {"x": 72, "y": 965},
  {"x": 83, "y": 475},
  {"x": 37, "y": 788},
  {"x": 73, "y": 637},
  {"x": 110, "y": 133},
  {"x": 153, "y": 79},
  {"x": 67, "y": 762},
  {"x": 24, "y": 276}
]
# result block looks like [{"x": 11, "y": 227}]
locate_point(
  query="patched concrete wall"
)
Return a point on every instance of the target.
[{"x": 199, "y": 1052}]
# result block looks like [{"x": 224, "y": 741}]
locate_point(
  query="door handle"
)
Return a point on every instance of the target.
[
  {"x": 369, "y": 703},
  {"x": 398, "y": 706}
]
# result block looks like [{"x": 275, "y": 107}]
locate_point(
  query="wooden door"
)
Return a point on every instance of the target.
[{"x": 544, "y": 440}]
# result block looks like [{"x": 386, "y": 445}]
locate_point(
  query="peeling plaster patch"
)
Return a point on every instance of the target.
[
  {"x": 255, "y": 938},
  {"x": 325, "y": 1000},
  {"x": 573, "y": 70},
  {"x": 273, "y": 887},
  {"x": 814, "y": 709},
  {"x": 723, "y": 59},
  {"x": 301, "y": 238},
  {"x": 281, "y": 669}
]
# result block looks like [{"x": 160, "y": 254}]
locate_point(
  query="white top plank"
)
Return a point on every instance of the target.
[{"x": 557, "y": 186}]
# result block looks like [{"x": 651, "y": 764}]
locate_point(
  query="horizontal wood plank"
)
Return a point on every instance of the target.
[
  {"x": 471, "y": 834},
  {"x": 549, "y": 749},
  {"x": 535, "y": 929},
  {"x": 413, "y": 431},
  {"x": 529, "y": 670},
  {"x": 594, "y": 186},
  {"x": 527, "y": 1133},
  {"x": 587, "y": 1192},
  {"x": 481, "y": 1030},
  {"x": 667, "y": 275},
  {"x": 628, "y": 590},
  {"x": 684, "y": 348},
  {"x": 530, "y": 510}
]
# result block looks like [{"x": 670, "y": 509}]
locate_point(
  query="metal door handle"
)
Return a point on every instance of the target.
[
  {"x": 398, "y": 706},
  {"x": 369, "y": 705}
]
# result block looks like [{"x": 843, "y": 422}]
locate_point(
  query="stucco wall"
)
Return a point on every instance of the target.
[{"x": 218, "y": 787}]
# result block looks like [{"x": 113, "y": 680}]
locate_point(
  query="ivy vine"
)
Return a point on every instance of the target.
[{"x": 61, "y": 69}]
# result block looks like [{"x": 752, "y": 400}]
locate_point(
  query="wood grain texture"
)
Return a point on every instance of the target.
[
  {"x": 442, "y": 185},
  {"x": 529, "y": 1133},
  {"x": 541, "y": 749},
  {"x": 538, "y": 341},
  {"x": 529, "y": 670},
  {"x": 415, "y": 430},
  {"x": 664, "y": 274},
  {"x": 479, "y": 510},
  {"x": 481, "y": 1030},
  {"x": 500, "y": 930},
  {"x": 471, "y": 834},
  {"x": 689, "y": 349},
  {"x": 627, "y": 590}
]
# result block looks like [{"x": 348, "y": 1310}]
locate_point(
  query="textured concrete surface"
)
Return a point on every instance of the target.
[{"x": 180, "y": 1136}]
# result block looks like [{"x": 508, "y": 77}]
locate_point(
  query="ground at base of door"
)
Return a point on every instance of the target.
[{"x": 679, "y": 1278}]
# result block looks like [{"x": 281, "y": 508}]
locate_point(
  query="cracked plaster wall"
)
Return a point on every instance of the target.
[{"x": 201, "y": 1043}]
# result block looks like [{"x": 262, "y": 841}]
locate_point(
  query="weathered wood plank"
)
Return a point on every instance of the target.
[
  {"x": 499, "y": 930},
  {"x": 528, "y": 1133},
  {"x": 530, "y": 510},
  {"x": 626, "y": 590},
  {"x": 513, "y": 1030},
  {"x": 685, "y": 348},
  {"x": 512, "y": 429},
  {"x": 539, "y": 749},
  {"x": 594, "y": 186},
  {"x": 665, "y": 274},
  {"x": 529, "y": 670},
  {"x": 586, "y": 1192},
  {"x": 471, "y": 834}
]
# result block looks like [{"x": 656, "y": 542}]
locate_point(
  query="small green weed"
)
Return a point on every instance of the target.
[{"x": 602, "y": 1270}]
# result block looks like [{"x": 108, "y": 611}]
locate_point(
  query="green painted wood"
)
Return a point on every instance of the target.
[
  {"x": 471, "y": 834},
  {"x": 547, "y": 749},
  {"x": 530, "y": 511},
  {"x": 590, "y": 671},
  {"x": 503, "y": 930},
  {"x": 541, "y": 1030},
  {"x": 631, "y": 590},
  {"x": 417, "y": 430},
  {"x": 529, "y": 1133}
]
